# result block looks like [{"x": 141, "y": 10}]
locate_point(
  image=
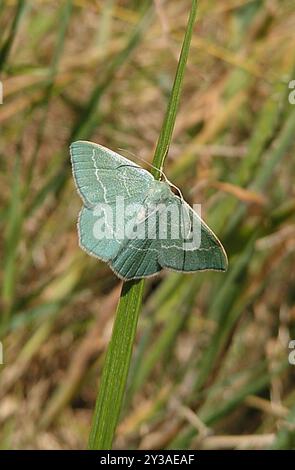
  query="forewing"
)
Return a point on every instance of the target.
[
  {"x": 102, "y": 178},
  {"x": 101, "y": 175},
  {"x": 190, "y": 245}
]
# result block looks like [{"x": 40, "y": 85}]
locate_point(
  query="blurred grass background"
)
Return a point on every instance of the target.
[{"x": 210, "y": 368}]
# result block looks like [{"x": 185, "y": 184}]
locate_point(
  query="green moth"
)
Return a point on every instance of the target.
[{"x": 135, "y": 223}]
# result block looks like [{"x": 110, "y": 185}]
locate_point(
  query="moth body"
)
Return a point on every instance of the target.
[{"x": 159, "y": 192}]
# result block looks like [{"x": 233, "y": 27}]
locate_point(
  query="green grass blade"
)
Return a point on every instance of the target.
[
  {"x": 64, "y": 16},
  {"x": 88, "y": 120},
  {"x": 177, "y": 312},
  {"x": 6, "y": 47},
  {"x": 116, "y": 367},
  {"x": 170, "y": 116},
  {"x": 285, "y": 438},
  {"x": 115, "y": 372},
  {"x": 12, "y": 239}
]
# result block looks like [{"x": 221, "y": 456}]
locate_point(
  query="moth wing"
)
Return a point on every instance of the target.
[
  {"x": 190, "y": 245},
  {"x": 101, "y": 175}
]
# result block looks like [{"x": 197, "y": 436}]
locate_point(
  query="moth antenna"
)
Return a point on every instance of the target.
[
  {"x": 175, "y": 187},
  {"x": 148, "y": 163},
  {"x": 183, "y": 202}
]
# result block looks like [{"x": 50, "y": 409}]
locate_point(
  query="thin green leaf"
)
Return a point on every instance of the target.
[{"x": 115, "y": 372}]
